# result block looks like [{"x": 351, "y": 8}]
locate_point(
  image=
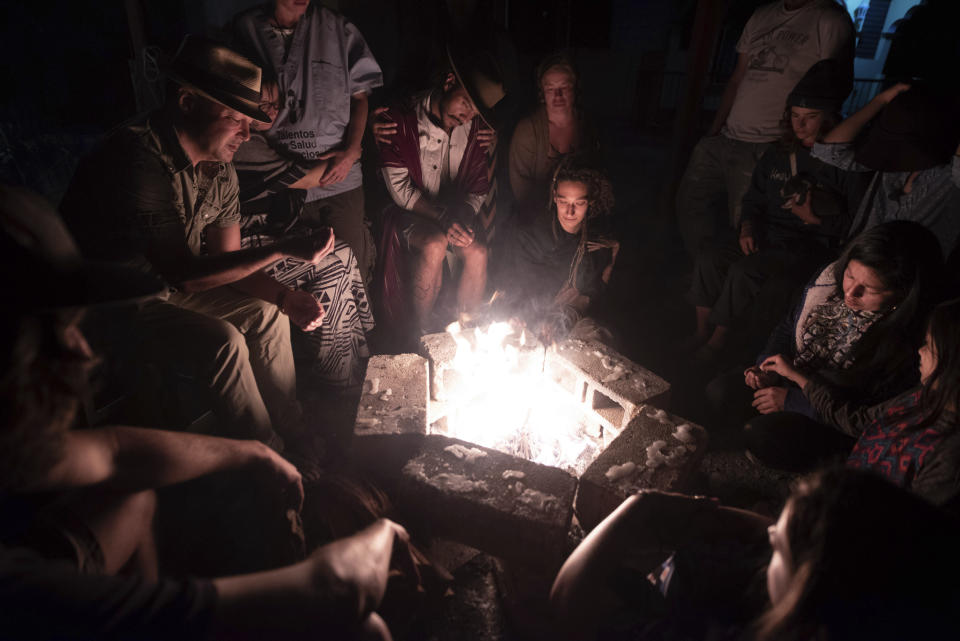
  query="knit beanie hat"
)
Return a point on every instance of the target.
[
  {"x": 825, "y": 86},
  {"x": 918, "y": 130}
]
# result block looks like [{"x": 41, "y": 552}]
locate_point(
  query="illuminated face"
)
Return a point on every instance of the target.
[
  {"x": 928, "y": 358},
  {"x": 456, "y": 108},
  {"x": 269, "y": 104},
  {"x": 863, "y": 290},
  {"x": 572, "y": 204},
  {"x": 806, "y": 124},
  {"x": 557, "y": 85},
  {"x": 780, "y": 571}
]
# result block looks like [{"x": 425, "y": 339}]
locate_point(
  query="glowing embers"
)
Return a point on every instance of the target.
[{"x": 502, "y": 389}]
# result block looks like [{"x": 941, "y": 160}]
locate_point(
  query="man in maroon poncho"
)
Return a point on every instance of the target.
[{"x": 435, "y": 169}]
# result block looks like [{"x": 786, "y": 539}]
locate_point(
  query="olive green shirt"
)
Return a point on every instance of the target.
[{"x": 140, "y": 190}]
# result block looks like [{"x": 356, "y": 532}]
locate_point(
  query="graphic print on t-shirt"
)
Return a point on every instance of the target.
[{"x": 775, "y": 50}]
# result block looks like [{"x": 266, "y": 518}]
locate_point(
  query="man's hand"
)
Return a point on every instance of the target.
[
  {"x": 310, "y": 248},
  {"x": 804, "y": 210},
  {"x": 382, "y": 127},
  {"x": 304, "y": 310},
  {"x": 748, "y": 243},
  {"x": 459, "y": 235},
  {"x": 486, "y": 138},
  {"x": 340, "y": 162},
  {"x": 769, "y": 399},
  {"x": 283, "y": 471},
  {"x": 361, "y": 563},
  {"x": 755, "y": 378}
]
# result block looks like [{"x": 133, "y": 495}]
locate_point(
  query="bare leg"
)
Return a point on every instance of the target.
[
  {"x": 430, "y": 246},
  {"x": 123, "y": 525},
  {"x": 473, "y": 280}
]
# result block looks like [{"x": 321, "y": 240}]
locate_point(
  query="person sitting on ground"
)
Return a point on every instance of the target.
[
  {"x": 435, "y": 171},
  {"x": 154, "y": 195},
  {"x": 559, "y": 264},
  {"x": 791, "y": 222},
  {"x": 822, "y": 579},
  {"x": 77, "y": 506},
  {"x": 913, "y": 439},
  {"x": 856, "y": 326},
  {"x": 273, "y": 186},
  {"x": 557, "y": 128},
  {"x": 779, "y": 43},
  {"x": 914, "y": 146}
]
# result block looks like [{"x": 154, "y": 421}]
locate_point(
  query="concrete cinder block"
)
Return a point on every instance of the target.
[
  {"x": 656, "y": 450},
  {"x": 613, "y": 386},
  {"x": 394, "y": 398},
  {"x": 506, "y": 506}
]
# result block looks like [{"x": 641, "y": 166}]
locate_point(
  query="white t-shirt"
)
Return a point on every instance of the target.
[{"x": 780, "y": 47}]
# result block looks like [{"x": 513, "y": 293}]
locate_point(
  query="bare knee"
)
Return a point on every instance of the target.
[
  {"x": 475, "y": 253},
  {"x": 432, "y": 247},
  {"x": 374, "y": 628}
]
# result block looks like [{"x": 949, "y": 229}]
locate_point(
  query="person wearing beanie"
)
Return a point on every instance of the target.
[
  {"x": 779, "y": 43},
  {"x": 793, "y": 217},
  {"x": 913, "y": 145}
]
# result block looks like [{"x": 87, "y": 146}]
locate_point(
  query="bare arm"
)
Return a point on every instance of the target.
[
  {"x": 729, "y": 94},
  {"x": 328, "y": 596},
  {"x": 178, "y": 265},
  {"x": 348, "y": 152},
  {"x": 646, "y": 527},
  {"x": 849, "y": 129},
  {"x": 134, "y": 458}
]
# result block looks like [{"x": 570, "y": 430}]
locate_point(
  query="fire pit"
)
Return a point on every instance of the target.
[{"x": 497, "y": 439}]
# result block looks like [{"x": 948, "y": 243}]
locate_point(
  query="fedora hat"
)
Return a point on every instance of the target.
[
  {"x": 47, "y": 270},
  {"x": 480, "y": 77},
  {"x": 220, "y": 74}
]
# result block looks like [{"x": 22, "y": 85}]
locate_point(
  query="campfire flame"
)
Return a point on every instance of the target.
[{"x": 499, "y": 395}]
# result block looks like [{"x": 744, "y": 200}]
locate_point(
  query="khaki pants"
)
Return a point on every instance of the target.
[
  {"x": 236, "y": 345},
  {"x": 718, "y": 175},
  {"x": 345, "y": 213}
]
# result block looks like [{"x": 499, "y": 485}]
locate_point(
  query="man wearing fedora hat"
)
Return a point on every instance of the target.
[
  {"x": 325, "y": 71},
  {"x": 77, "y": 553},
  {"x": 435, "y": 170},
  {"x": 153, "y": 195}
]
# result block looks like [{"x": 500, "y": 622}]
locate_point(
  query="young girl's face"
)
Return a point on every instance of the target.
[
  {"x": 780, "y": 570},
  {"x": 928, "y": 358},
  {"x": 269, "y": 104},
  {"x": 572, "y": 204}
]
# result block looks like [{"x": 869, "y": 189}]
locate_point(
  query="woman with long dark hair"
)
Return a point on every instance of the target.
[
  {"x": 911, "y": 439},
  {"x": 851, "y": 557},
  {"x": 856, "y": 327}
]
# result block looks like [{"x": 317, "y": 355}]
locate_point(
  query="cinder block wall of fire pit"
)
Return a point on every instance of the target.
[{"x": 505, "y": 505}]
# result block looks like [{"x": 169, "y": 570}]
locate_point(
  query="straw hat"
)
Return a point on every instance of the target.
[
  {"x": 49, "y": 272},
  {"x": 480, "y": 76},
  {"x": 220, "y": 74}
]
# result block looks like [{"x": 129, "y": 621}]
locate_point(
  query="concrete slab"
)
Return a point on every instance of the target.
[
  {"x": 656, "y": 450},
  {"x": 394, "y": 398},
  {"x": 506, "y": 506}
]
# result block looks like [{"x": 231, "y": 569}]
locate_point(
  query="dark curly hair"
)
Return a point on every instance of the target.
[{"x": 599, "y": 196}]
